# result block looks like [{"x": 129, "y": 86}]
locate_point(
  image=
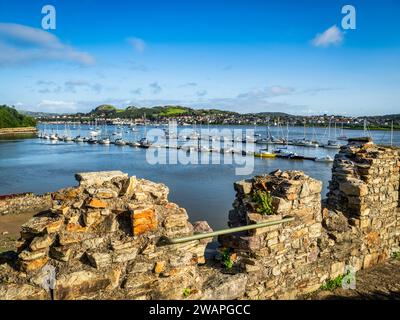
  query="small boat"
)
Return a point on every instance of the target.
[
  {"x": 332, "y": 144},
  {"x": 305, "y": 143},
  {"x": 134, "y": 144},
  {"x": 296, "y": 157},
  {"x": 46, "y": 136},
  {"x": 343, "y": 138},
  {"x": 92, "y": 140},
  {"x": 53, "y": 137},
  {"x": 144, "y": 143},
  {"x": 120, "y": 142},
  {"x": 324, "y": 159},
  {"x": 283, "y": 154},
  {"x": 263, "y": 153},
  {"x": 79, "y": 139},
  {"x": 104, "y": 141}
]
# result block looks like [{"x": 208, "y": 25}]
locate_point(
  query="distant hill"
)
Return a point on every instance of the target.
[
  {"x": 110, "y": 111},
  {"x": 273, "y": 114},
  {"x": 393, "y": 117},
  {"x": 11, "y": 118}
]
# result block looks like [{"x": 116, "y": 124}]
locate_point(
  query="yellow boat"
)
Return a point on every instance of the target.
[{"x": 265, "y": 155}]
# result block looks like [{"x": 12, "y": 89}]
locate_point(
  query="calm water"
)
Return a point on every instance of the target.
[{"x": 206, "y": 191}]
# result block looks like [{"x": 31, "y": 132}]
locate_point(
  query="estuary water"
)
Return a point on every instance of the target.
[{"x": 205, "y": 190}]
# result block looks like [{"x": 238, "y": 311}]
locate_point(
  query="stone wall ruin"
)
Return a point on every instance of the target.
[{"x": 101, "y": 238}]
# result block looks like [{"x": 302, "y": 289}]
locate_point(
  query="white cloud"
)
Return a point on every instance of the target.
[
  {"x": 24, "y": 44},
  {"x": 57, "y": 106},
  {"x": 268, "y": 92},
  {"x": 201, "y": 93},
  {"x": 156, "y": 88},
  {"x": 331, "y": 36},
  {"x": 138, "y": 44},
  {"x": 72, "y": 85}
]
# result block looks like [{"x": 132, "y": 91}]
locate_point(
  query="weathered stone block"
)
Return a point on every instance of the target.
[
  {"x": 98, "y": 178},
  {"x": 125, "y": 255},
  {"x": 354, "y": 187},
  {"x": 34, "y": 264},
  {"x": 98, "y": 259},
  {"x": 144, "y": 220},
  {"x": 244, "y": 186},
  {"x": 42, "y": 224},
  {"x": 96, "y": 203},
  {"x": 225, "y": 287},
  {"x": 23, "y": 292},
  {"x": 128, "y": 187},
  {"x": 80, "y": 284},
  {"x": 92, "y": 217},
  {"x": 62, "y": 254},
  {"x": 41, "y": 242},
  {"x": 370, "y": 260},
  {"x": 337, "y": 269}
]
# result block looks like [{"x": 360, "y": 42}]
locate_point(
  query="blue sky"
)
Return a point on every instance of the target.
[{"x": 246, "y": 56}]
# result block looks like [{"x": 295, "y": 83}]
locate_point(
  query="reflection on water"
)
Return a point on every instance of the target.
[{"x": 206, "y": 191}]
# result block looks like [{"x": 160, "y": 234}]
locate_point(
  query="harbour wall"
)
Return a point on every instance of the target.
[
  {"x": 18, "y": 131},
  {"x": 102, "y": 239}
]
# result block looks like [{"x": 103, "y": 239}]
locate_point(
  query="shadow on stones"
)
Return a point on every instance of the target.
[{"x": 375, "y": 295}]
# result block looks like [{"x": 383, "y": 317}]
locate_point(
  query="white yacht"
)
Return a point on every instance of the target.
[
  {"x": 120, "y": 142},
  {"x": 324, "y": 159},
  {"x": 104, "y": 141}
]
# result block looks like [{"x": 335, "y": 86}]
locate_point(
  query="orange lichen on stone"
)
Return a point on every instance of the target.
[
  {"x": 32, "y": 265},
  {"x": 144, "y": 220},
  {"x": 96, "y": 203}
]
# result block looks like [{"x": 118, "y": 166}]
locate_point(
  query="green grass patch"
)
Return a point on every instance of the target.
[
  {"x": 396, "y": 255},
  {"x": 264, "y": 202},
  {"x": 172, "y": 111},
  {"x": 227, "y": 262},
  {"x": 332, "y": 284},
  {"x": 186, "y": 292}
]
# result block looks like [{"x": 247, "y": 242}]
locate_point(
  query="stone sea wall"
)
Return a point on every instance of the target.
[
  {"x": 358, "y": 227},
  {"x": 102, "y": 239},
  {"x": 18, "y": 131}
]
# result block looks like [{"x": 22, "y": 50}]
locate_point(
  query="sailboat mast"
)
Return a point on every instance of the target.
[
  {"x": 287, "y": 132},
  {"x": 335, "y": 131},
  {"x": 391, "y": 135},
  {"x": 365, "y": 127}
]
